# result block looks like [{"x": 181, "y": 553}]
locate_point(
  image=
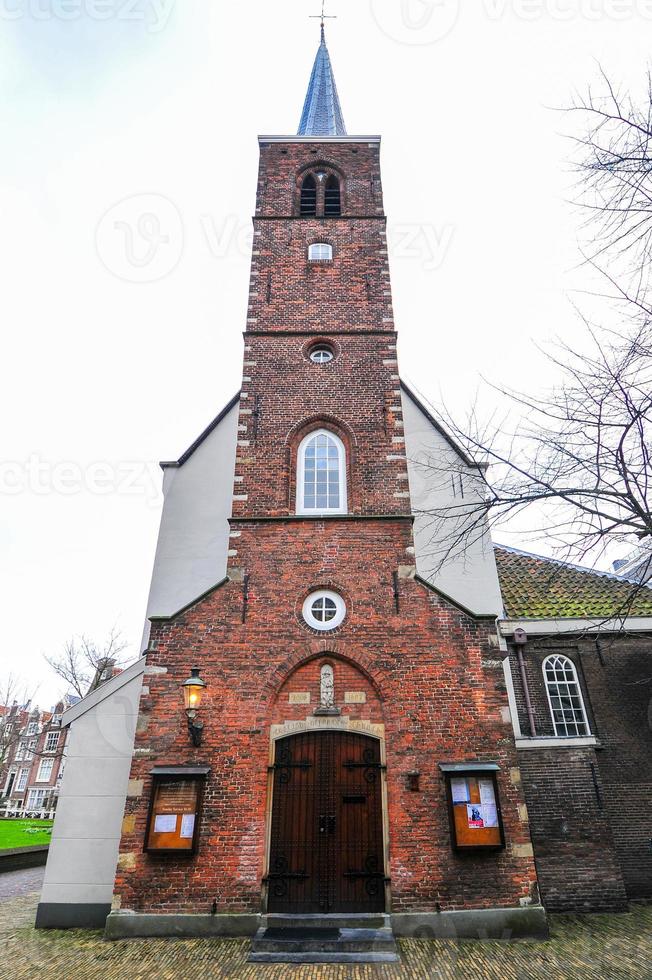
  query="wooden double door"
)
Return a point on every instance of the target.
[{"x": 326, "y": 849}]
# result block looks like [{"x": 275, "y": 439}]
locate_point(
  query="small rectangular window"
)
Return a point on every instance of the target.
[
  {"x": 22, "y": 780},
  {"x": 320, "y": 252},
  {"x": 36, "y": 798},
  {"x": 474, "y": 807},
  {"x": 45, "y": 770},
  {"x": 174, "y": 817},
  {"x": 51, "y": 741}
]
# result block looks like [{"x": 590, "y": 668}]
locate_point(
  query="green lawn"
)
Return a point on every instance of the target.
[{"x": 24, "y": 833}]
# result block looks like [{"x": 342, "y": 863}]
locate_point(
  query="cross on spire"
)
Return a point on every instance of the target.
[{"x": 322, "y": 17}]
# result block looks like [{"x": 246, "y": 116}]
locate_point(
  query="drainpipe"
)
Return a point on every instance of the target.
[{"x": 520, "y": 639}]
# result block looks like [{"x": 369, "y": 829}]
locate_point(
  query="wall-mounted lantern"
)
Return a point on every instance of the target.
[{"x": 193, "y": 690}]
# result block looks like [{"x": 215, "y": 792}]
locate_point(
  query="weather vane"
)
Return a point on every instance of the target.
[{"x": 323, "y": 16}]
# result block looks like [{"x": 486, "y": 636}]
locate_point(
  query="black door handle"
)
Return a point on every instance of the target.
[{"x": 326, "y": 824}]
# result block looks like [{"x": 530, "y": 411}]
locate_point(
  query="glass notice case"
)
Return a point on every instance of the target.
[
  {"x": 175, "y": 807},
  {"x": 474, "y": 807}
]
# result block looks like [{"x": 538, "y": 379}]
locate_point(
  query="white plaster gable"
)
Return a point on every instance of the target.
[
  {"x": 435, "y": 466},
  {"x": 193, "y": 540}
]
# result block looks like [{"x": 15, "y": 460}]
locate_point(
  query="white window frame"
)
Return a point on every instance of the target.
[
  {"x": 317, "y": 624},
  {"x": 322, "y": 349},
  {"x": 320, "y": 252},
  {"x": 41, "y": 795},
  {"x": 32, "y": 728},
  {"x": 51, "y": 736},
  {"x": 20, "y": 783},
  {"x": 561, "y": 730},
  {"x": 40, "y": 777},
  {"x": 301, "y": 455}
]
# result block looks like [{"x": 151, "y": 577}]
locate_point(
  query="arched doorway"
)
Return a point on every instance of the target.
[{"x": 326, "y": 841}]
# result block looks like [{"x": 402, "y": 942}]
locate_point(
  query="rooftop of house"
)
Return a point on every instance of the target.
[{"x": 543, "y": 588}]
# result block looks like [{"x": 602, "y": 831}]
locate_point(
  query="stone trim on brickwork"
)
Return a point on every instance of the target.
[{"x": 557, "y": 742}]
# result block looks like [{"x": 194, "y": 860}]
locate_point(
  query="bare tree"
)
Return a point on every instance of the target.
[
  {"x": 578, "y": 461},
  {"x": 82, "y": 661},
  {"x": 614, "y": 187},
  {"x": 573, "y": 464}
]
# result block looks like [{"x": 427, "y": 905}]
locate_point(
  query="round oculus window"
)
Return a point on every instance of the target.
[
  {"x": 324, "y": 610},
  {"x": 321, "y": 354}
]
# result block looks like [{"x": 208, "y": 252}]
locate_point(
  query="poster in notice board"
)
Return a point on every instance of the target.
[
  {"x": 475, "y": 812},
  {"x": 174, "y": 815}
]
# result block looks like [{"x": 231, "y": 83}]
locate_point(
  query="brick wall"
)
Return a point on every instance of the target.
[
  {"x": 606, "y": 833},
  {"x": 430, "y": 677},
  {"x": 573, "y": 842}
]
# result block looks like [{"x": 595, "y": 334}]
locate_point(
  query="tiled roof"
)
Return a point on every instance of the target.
[
  {"x": 542, "y": 588},
  {"x": 322, "y": 113}
]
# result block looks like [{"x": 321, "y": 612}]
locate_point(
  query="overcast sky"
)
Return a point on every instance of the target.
[{"x": 128, "y": 174}]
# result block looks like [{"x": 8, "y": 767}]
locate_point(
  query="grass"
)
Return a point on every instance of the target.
[{"x": 24, "y": 833}]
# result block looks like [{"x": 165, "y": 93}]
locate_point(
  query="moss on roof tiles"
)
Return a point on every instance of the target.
[{"x": 542, "y": 588}]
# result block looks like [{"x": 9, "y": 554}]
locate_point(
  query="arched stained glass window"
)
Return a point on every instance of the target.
[
  {"x": 564, "y": 697},
  {"x": 321, "y": 474}
]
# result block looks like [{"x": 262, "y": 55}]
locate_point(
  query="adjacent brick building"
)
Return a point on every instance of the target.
[
  {"x": 585, "y": 751},
  {"x": 34, "y": 760}
]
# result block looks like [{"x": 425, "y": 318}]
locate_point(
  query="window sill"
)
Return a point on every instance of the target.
[{"x": 558, "y": 742}]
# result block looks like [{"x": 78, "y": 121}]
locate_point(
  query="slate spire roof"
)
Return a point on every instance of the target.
[{"x": 322, "y": 113}]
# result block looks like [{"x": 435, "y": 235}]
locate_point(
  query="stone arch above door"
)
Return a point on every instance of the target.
[{"x": 301, "y": 695}]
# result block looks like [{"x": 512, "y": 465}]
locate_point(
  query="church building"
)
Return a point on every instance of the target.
[{"x": 321, "y": 723}]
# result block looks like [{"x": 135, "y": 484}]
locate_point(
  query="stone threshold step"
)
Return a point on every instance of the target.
[
  {"x": 323, "y": 958},
  {"x": 365, "y": 920},
  {"x": 348, "y": 942}
]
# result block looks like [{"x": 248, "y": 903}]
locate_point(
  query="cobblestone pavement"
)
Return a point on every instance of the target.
[
  {"x": 15, "y": 883},
  {"x": 601, "y": 947}
]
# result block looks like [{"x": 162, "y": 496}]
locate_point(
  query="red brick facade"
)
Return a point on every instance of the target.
[{"x": 428, "y": 672}]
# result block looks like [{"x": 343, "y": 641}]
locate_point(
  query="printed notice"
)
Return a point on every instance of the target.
[
  {"x": 475, "y": 815},
  {"x": 487, "y": 791},
  {"x": 187, "y": 825},
  {"x": 481, "y": 815},
  {"x": 165, "y": 823},
  {"x": 460, "y": 790}
]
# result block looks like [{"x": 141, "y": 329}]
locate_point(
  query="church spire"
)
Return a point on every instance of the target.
[{"x": 322, "y": 113}]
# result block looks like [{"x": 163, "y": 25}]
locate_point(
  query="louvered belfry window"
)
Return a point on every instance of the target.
[
  {"x": 309, "y": 197},
  {"x": 332, "y": 198}
]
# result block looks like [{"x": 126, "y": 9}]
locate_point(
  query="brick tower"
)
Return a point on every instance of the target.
[{"x": 356, "y": 755}]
